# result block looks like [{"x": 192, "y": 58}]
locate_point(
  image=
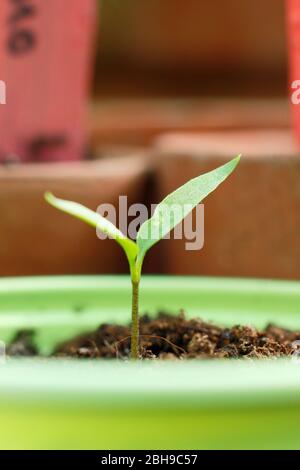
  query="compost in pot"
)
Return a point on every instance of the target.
[{"x": 170, "y": 337}]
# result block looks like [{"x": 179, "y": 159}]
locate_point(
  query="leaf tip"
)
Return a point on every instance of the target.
[
  {"x": 50, "y": 198},
  {"x": 237, "y": 159}
]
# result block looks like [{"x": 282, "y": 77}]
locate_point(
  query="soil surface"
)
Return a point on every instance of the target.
[{"x": 172, "y": 338}]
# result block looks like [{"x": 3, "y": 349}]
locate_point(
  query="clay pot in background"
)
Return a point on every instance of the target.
[
  {"x": 139, "y": 121},
  {"x": 252, "y": 221},
  {"x": 37, "y": 239}
]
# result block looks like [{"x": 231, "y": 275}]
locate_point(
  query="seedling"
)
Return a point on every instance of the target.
[{"x": 169, "y": 213}]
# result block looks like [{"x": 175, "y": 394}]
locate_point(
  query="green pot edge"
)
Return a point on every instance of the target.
[
  {"x": 218, "y": 404},
  {"x": 268, "y": 382}
]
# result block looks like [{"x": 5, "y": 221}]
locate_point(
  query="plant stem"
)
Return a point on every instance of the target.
[{"x": 135, "y": 320}]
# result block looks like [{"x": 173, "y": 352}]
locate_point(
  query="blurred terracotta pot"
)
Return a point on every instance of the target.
[
  {"x": 37, "y": 239},
  {"x": 139, "y": 121},
  {"x": 252, "y": 221}
]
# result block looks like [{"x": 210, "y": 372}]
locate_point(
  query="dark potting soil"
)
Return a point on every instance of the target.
[{"x": 170, "y": 337}]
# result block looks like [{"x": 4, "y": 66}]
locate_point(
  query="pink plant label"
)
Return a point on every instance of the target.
[
  {"x": 293, "y": 26},
  {"x": 45, "y": 63}
]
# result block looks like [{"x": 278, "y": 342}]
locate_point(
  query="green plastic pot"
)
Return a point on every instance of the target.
[{"x": 221, "y": 404}]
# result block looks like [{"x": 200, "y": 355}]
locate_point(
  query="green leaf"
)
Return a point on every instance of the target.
[
  {"x": 95, "y": 220},
  {"x": 177, "y": 205}
]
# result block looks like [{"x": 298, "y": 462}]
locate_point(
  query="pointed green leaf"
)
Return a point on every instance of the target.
[
  {"x": 95, "y": 220},
  {"x": 177, "y": 205}
]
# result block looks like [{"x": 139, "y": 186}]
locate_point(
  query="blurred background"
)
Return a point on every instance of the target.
[
  {"x": 154, "y": 93},
  {"x": 174, "y": 47},
  {"x": 159, "y": 50}
]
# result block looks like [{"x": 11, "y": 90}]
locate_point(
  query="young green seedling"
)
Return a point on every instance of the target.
[{"x": 169, "y": 213}]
